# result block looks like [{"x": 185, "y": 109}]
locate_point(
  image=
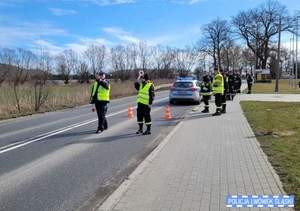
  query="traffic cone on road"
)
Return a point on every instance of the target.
[
  {"x": 168, "y": 114},
  {"x": 130, "y": 113}
]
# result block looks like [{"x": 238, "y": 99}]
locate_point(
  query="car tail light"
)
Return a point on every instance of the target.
[
  {"x": 172, "y": 89},
  {"x": 194, "y": 89}
]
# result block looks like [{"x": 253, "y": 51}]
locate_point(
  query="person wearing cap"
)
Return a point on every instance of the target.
[
  {"x": 144, "y": 101},
  {"x": 218, "y": 90},
  {"x": 100, "y": 97},
  {"x": 206, "y": 90}
]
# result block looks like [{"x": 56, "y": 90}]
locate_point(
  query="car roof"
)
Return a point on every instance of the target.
[{"x": 186, "y": 79}]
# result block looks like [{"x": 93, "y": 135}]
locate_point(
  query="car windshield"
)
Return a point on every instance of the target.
[{"x": 183, "y": 84}]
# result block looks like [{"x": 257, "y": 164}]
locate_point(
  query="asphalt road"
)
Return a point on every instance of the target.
[{"x": 55, "y": 161}]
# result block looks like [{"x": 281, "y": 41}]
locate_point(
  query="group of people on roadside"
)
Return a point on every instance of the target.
[
  {"x": 100, "y": 96},
  {"x": 223, "y": 85}
]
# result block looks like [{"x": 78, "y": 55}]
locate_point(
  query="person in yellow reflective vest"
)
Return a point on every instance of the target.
[
  {"x": 100, "y": 97},
  {"x": 225, "y": 90},
  {"x": 206, "y": 90},
  {"x": 218, "y": 90},
  {"x": 144, "y": 101}
]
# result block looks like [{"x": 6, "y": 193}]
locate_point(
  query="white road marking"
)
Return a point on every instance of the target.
[{"x": 19, "y": 144}]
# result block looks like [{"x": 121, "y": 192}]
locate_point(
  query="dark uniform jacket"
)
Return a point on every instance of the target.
[{"x": 206, "y": 85}]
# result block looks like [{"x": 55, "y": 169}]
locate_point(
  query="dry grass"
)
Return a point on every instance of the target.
[{"x": 61, "y": 96}]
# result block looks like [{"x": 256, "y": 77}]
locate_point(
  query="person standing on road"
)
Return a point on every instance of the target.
[
  {"x": 100, "y": 97},
  {"x": 144, "y": 101},
  {"x": 249, "y": 80},
  {"x": 206, "y": 90},
  {"x": 218, "y": 90}
]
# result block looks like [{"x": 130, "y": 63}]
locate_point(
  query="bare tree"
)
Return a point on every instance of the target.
[
  {"x": 96, "y": 57},
  {"x": 185, "y": 60},
  {"x": 235, "y": 57},
  {"x": 22, "y": 60},
  {"x": 82, "y": 69},
  {"x": 163, "y": 58},
  {"x": 123, "y": 61},
  {"x": 6, "y": 59},
  {"x": 66, "y": 62},
  {"x": 39, "y": 78},
  {"x": 145, "y": 56},
  {"x": 61, "y": 66},
  {"x": 258, "y": 26},
  {"x": 215, "y": 35}
]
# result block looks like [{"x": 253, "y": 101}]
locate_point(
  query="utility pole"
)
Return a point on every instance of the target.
[{"x": 278, "y": 55}]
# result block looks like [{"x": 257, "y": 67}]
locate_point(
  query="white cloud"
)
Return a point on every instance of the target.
[
  {"x": 97, "y": 41},
  {"x": 187, "y": 1},
  {"x": 105, "y": 2},
  {"x": 61, "y": 12},
  {"x": 121, "y": 34},
  {"x": 46, "y": 47}
]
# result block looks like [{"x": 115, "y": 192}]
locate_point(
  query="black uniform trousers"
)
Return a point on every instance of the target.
[
  {"x": 249, "y": 86},
  {"x": 143, "y": 113},
  {"x": 218, "y": 101},
  {"x": 101, "y": 108},
  {"x": 206, "y": 100},
  {"x": 223, "y": 100}
]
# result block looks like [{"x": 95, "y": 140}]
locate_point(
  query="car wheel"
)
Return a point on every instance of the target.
[{"x": 171, "y": 102}]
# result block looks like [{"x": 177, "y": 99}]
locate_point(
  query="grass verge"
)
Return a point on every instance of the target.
[{"x": 282, "y": 146}]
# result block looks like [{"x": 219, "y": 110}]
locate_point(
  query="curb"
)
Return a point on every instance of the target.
[{"x": 113, "y": 199}]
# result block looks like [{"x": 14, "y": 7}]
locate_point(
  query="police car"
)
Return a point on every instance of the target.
[{"x": 185, "y": 89}]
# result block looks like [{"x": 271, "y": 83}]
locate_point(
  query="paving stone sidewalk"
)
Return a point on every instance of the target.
[{"x": 204, "y": 159}]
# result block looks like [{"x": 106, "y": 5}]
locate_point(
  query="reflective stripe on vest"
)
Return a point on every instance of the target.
[
  {"x": 143, "y": 95},
  {"x": 218, "y": 84},
  {"x": 102, "y": 93}
]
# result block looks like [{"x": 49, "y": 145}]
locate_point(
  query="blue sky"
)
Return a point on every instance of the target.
[{"x": 57, "y": 25}]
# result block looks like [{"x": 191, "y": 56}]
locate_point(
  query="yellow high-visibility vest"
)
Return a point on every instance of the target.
[
  {"x": 102, "y": 93},
  {"x": 218, "y": 84},
  {"x": 143, "y": 95}
]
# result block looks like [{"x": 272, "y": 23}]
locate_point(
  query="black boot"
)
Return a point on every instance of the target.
[
  {"x": 223, "y": 111},
  {"x": 148, "y": 131},
  {"x": 218, "y": 113},
  {"x": 140, "y": 129},
  {"x": 206, "y": 110}
]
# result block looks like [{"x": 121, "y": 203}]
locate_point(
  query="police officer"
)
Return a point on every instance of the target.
[
  {"x": 144, "y": 101},
  {"x": 206, "y": 90},
  {"x": 100, "y": 97},
  {"x": 218, "y": 90}
]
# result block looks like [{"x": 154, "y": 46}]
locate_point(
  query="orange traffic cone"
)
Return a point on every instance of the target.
[
  {"x": 130, "y": 113},
  {"x": 167, "y": 115}
]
